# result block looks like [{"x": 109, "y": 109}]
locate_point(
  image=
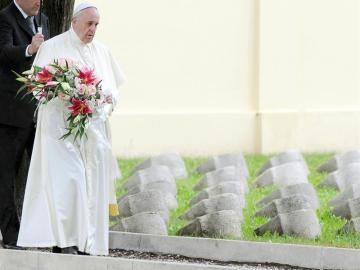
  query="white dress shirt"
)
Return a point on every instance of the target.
[{"x": 27, "y": 54}]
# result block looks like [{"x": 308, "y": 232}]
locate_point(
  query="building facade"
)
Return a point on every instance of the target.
[{"x": 213, "y": 76}]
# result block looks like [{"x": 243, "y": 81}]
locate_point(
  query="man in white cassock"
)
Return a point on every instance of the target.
[{"x": 70, "y": 190}]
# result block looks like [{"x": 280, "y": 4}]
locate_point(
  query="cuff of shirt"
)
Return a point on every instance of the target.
[{"x": 27, "y": 54}]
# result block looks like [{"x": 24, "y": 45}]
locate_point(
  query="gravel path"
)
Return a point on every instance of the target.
[
  {"x": 181, "y": 259},
  {"x": 126, "y": 254}
]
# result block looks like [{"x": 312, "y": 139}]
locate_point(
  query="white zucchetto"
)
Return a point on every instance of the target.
[{"x": 81, "y": 7}]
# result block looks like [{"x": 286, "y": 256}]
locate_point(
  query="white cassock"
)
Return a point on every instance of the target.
[{"x": 70, "y": 185}]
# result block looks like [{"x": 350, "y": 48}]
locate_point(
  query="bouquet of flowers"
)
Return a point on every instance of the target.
[{"x": 77, "y": 86}]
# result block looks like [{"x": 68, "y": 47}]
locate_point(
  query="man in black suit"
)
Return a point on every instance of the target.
[{"x": 19, "y": 42}]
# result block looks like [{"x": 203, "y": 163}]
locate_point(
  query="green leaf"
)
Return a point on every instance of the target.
[
  {"x": 22, "y": 79},
  {"x": 77, "y": 118},
  {"x": 21, "y": 89}
]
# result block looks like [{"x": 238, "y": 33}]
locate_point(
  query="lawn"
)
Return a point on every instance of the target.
[{"x": 329, "y": 223}]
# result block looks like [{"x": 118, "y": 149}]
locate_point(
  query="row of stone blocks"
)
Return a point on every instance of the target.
[
  {"x": 217, "y": 209},
  {"x": 344, "y": 176},
  {"x": 151, "y": 193},
  {"x": 292, "y": 207}
]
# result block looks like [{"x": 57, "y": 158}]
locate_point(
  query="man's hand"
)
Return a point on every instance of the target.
[{"x": 36, "y": 41}]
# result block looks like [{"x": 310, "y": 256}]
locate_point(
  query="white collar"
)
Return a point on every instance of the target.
[
  {"x": 75, "y": 38},
  {"x": 21, "y": 10}
]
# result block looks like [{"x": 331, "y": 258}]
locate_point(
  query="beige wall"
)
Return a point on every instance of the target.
[
  {"x": 210, "y": 76},
  {"x": 309, "y": 76}
]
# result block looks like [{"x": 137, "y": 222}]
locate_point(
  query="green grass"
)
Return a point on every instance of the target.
[{"x": 329, "y": 223}]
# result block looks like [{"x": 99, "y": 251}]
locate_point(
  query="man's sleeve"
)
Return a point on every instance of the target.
[{"x": 9, "y": 53}]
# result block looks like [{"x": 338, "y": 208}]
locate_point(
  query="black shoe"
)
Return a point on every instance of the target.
[
  {"x": 83, "y": 253},
  {"x": 56, "y": 250},
  {"x": 13, "y": 246},
  {"x": 69, "y": 250}
]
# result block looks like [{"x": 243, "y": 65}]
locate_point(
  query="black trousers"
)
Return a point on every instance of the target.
[{"x": 13, "y": 143}]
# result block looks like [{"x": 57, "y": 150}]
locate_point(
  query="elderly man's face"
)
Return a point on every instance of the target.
[
  {"x": 86, "y": 23},
  {"x": 31, "y": 7}
]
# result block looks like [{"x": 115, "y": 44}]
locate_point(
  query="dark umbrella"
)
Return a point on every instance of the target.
[{"x": 40, "y": 18}]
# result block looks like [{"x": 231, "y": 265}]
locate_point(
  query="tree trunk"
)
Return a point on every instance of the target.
[{"x": 59, "y": 13}]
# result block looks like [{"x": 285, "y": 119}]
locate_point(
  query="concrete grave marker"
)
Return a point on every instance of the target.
[
  {"x": 166, "y": 189},
  {"x": 351, "y": 192},
  {"x": 226, "y": 201},
  {"x": 349, "y": 209},
  {"x": 226, "y": 174},
  {"x": 303, "y": 223},
  {"x": 148, "y": 222},
  {"x": 283, "y": 175},
  {"x": 282, "y": 158},
  {"x": 152, "y": 174},
  {"x": 222, "y": 161},
  {"x": 339, "y": 161},
  {"x": 146, "y": 201},
  {"x": 225, "y": 187},
  {"x": 343, "y": 177},
  {"x": 285, "y": 205},
  {"x": 352, "y": 225},
  {"x": 221, "y": 224},
  {"x": 173, "y": 161},
  {"x": 303, "y": 188}
]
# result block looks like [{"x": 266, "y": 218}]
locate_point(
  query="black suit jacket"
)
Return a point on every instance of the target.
[{"x": 15, "y": 36}]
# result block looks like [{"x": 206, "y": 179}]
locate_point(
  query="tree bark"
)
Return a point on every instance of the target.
[{"x": 59, "y": 13}]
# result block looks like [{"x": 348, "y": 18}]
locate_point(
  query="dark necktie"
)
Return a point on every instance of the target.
[{"x": 30, "y": 22}]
